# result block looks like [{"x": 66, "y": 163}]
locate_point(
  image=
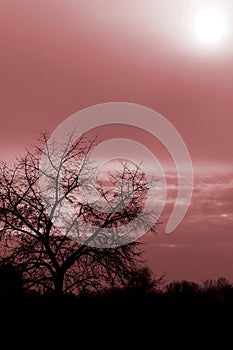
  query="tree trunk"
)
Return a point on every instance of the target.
[{"x": 58, "y": 283}]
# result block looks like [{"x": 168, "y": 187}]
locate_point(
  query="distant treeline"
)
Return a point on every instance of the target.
[{"x": 142, "y": 311}]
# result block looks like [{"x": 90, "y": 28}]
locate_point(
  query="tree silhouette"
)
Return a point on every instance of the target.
[
  {"x": 91, "y": 248},
  {"x": 145, "y": 282},
  {"x": 182, "y": 288}
]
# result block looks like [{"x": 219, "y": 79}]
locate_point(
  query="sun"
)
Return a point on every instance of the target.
[{"x": 210, "y": 26}]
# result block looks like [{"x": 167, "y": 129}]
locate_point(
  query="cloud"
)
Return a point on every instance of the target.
[{"x": 171, "y": 245}]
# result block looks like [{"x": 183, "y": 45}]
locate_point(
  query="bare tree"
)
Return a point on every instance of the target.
[{"x": 84, "y": 247}]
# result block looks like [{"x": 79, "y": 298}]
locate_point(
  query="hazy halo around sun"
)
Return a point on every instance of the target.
[{"x": 210, "y": 26}]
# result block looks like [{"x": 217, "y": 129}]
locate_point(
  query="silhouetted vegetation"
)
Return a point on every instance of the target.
[
  {"x": 11, "y": 283},
  {"x": 90, "y": 250},
  {"x": 146, "y": 306},
  {"x": 61, "y": 287}
]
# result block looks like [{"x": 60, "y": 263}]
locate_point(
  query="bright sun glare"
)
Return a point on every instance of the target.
[{"x": 210, "y": 26}]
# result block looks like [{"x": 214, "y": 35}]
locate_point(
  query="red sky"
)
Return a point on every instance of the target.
[{"x": 60, "y": 56}]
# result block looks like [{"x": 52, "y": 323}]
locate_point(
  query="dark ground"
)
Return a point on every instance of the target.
[{"x": 128, "y": 318}]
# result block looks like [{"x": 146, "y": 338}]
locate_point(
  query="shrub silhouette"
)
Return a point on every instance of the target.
[{"x": 10, "y": 281}]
